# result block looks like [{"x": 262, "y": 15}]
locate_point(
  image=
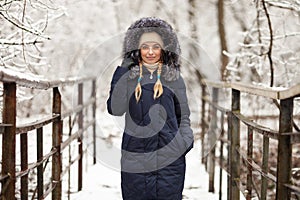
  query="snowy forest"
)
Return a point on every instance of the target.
[
  {"x": 254, "y": 42},
  {"x": 250, "y": 41}
]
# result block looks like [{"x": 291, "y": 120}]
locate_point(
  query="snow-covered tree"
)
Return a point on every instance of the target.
[{"x": 268, "y": 54}]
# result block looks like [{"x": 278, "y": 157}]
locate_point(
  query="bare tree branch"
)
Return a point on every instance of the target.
[
  {"x": 44, "y": 6},
  {"x": 285, "y": 5},
  {"x": 22, "y": 27},
  {"x": 23, "y": 17},
  {"x": 20, "y": 43},
  {"x": 258, "y": 22},
  {"x": 8, "y": 3},
  {"x": 278, "y": 37},
  {"x": 270, "y": 44},
  {"x": 222, "y": 36}
]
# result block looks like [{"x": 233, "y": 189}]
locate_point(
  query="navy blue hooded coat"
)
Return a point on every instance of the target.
[{"x": 157, "y": 133}]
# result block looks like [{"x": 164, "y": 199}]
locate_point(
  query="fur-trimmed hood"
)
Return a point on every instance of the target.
[
  {"x": 151, "y": 24},
  {"x": 171, "y": 47}
]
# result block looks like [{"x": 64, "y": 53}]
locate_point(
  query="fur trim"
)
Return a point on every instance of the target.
[
  {"x": 151, "y": 24},
  {"x": 168, "y": 73}
]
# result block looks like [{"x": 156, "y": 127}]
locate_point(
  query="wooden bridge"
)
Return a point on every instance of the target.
[{"x": 221, "y": 132}]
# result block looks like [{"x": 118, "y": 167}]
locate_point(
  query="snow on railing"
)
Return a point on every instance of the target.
[{"x": 36, "y": 82}]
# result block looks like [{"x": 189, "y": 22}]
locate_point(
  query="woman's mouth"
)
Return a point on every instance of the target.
[{"x": 150, "y": 58}]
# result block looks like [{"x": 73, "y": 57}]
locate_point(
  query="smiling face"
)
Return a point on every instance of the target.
[{"x": 150, "y": 52}]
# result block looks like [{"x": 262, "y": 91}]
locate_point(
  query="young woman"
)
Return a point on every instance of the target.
[{"x": 149, "y": 89}]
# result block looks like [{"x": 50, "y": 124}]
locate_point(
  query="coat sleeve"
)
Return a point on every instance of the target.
[
  {"x": 183, "y": 117},
  {"x": 117, "y": 101}
]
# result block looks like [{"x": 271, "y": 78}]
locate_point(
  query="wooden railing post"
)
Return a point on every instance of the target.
[
  {"x": 94, "y": 118},
  {"x": 284, "y": 161},
  {"x": 24, "y": 165},
  {"x": 249, "y": 167},
  {"x": 212, "y": 140},
  {"x": 234, "y": 145},
  {"x": 265, "y": 168},
  {"x": 40, "y": 168},
  {"x": 80, "y": 138},
  {"x": 56, "y": 141},
  {"x": 229, "y": 125},
  {"x": 9, "y": 141}
]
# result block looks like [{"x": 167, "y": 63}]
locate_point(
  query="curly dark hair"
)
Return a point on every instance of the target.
[{"x": 171, "y": 50}]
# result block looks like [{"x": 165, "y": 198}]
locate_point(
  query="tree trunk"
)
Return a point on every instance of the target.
[{"x": 222, "y": 35}]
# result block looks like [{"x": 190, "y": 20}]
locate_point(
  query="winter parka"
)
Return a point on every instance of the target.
[{"x": 156, "y": 137}]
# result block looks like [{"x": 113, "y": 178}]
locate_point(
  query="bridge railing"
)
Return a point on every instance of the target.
[
  {"x": 223, "y": 126},
  {"x": 68, "y": 130}
]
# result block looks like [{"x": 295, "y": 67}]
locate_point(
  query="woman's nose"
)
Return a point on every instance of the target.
[{"x": 150, "y": 50}]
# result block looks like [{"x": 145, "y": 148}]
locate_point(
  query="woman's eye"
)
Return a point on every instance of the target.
[
  {"x": 145, "y": 47},
  {"x": 156, "y": 47}
]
